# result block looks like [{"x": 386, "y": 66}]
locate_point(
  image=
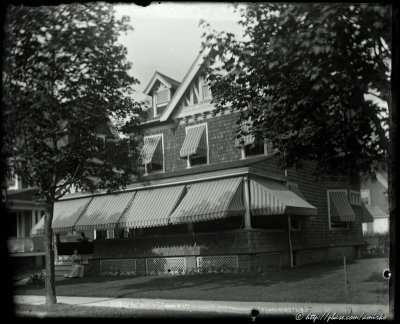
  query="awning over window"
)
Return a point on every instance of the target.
[
  {"x": 152, "y": 150},
  {"x": 195, "y": 142},
  {"x": 67, "y": 212},
  {"x": 274, "y": 198},
  {"x": 151, "y": 207},
  {"x": 372, "y": 212},
  {"x": 104, "y": 211},
  {"x": 210, "y": 200},
  {"x": 340, "y": 208}
]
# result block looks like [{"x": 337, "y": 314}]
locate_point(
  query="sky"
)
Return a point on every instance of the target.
[{"x": 167, "y": 36}]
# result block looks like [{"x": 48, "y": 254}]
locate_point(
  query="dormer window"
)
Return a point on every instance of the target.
[{"x": 161, "y": 97}]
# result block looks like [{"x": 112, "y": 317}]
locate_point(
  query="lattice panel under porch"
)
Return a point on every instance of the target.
[
  {"x": 123, "y": 267},
  {"x": 157, "y": 266},
  {"x": 218, "y": 263}
]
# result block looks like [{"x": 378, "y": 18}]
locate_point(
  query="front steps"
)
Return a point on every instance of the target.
[{"x": 63, "y": 264}]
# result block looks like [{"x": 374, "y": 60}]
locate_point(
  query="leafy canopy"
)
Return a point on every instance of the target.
[
  {"x": 64, "y": 77},
  {"x": 301, "y": 73}
]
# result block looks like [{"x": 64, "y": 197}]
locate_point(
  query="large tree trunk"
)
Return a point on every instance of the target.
[{"x": 49, "y": 256}]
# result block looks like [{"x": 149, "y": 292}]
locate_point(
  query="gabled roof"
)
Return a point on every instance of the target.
[
  {"x": 194, "y": 69},
  {"x": 157, "y": 76}
]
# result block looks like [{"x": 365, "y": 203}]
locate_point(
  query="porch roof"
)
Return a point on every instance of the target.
[
  {"x": 274, "y": 198},
  {"x": 367, "y": 214},
  {"x": 210, "y": 200}
]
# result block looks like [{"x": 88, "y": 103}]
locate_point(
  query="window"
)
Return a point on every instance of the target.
[
  {"x": 254, "y": 149},
  {"x": 153, "y": 153},
  {"x": 100, "y": 235},
  {"x": 355, "y": 198},
  {"x": 161, "y": 98},
  {"x": 195, "y": 146},
  {"x": 365, "y": 197},
  {"x": 340, "y": 213}
]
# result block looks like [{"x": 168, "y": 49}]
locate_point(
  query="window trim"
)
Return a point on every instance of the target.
[
  {"x": 245, "y": 156},
  {"x": 163, "y": 154},
  {"x": 347, "y": 227},
  {"x": 357, "y": 193},
  {"x": 188, "y": 164}
]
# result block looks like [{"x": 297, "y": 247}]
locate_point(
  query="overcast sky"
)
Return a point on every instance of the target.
[{"x": 167, "y": 36}]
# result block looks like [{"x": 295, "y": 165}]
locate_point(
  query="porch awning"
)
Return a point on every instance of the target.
[
  {"x": 38, "y": 228},
  {"x": 65, "y": 215},
  {"x": 210, "y": 200},
  {"x": 274, "y": 198},
  {"x": 104, "y": 211},
  {"x": 152, "y": 150},
  {"x": 372, "y": 212},
  {"x": 195, "y": 141},
  {"x": 151, "y": 207},
  {"x": 340, "y": 208},
  {"x": 367, "y": 214}
]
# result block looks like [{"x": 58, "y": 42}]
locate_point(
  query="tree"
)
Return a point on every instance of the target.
[
  {"x": 64, "y": 75},
  {"x": 306, "y": 74}
]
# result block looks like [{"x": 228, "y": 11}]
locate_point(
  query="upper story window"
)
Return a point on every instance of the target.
[
  {"x": 355, "y": 198},
  {"x": 153, "y": 153},
  {"x": 162, "y": 97},
  {"x": 340, "y": 213},
  {"x": 365, "y": 197},
  {"x": 248, "y": 145},
  {"x": 195, "y": 145}
]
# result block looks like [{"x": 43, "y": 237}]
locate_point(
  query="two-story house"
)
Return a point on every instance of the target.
[{"x": 210, "y": 201}]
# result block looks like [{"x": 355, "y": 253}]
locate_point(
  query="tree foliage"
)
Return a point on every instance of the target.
[
  {"x": 306, "y": 74},
  {"x": 64, "y": 77}
]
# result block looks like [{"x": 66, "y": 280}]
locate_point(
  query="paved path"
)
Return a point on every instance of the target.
[{"x": 229, "y": 308}]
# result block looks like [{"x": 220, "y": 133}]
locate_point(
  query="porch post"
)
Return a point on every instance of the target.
[
  {"x": 246, "y": 200},
  {"x": 33, "y": 217}
]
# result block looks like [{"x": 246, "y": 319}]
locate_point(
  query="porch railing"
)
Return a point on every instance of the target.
[{"x": 25, "y": 244}]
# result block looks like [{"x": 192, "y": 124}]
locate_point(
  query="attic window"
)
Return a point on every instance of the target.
[{"x": 162, "y": 97}]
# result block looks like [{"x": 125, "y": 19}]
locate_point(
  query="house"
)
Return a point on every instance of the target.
[
  {"x": 374, "y": 194},
  {"x": 25, "y": 248},
  {"x": 209, "y": 201}
]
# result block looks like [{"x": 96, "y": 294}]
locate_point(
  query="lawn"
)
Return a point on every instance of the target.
[{"x": 320, "y": 283}]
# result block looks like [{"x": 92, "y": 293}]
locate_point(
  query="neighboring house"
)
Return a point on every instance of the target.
[
  {"x": 24, "y": 214},
  {"x": 210, "y": 201},
  {"x": 374, "y": 195}
]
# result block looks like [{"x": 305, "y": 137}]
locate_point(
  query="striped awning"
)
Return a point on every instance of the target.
[
  {"x": 367, "y": 214},
  {"x": 274, "y": 198},
  {"x": 104, "y": 211},
  {"x": 246, "y": 138},
  {"x": 38, "y": 228},
  {"x": 152, "y": 150},
  {"x": 67, "y": 212},
  {"x": 210, "y": 200},
  {"x": 195, "y": 142},
  {"x": 340, "y": 208},
  {"x": 151, "y": 207}
]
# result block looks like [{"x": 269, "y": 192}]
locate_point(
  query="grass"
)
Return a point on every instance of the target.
[{"x": 320, "y": 283}]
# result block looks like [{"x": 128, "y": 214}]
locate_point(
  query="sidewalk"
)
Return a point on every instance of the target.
[{"x": 228, "y": 308}]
